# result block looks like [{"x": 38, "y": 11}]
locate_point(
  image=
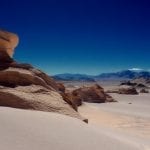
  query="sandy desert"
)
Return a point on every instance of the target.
[{"x": 33, "y": 130}]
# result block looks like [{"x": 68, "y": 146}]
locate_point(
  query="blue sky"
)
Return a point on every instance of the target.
[{"x": 80, "y": 36}]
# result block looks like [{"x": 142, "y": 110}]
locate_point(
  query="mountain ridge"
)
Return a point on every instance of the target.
[{"x": 124, "y": 74}]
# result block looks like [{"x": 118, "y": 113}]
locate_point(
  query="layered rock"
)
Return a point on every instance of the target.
[
  {"x": 33, "y": 89},
  {"x": 8, "y": 42}
]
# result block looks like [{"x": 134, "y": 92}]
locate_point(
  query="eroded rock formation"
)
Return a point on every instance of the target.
[
  {"x": 23, "y": 86},
  {"x": 33, "y": 89},
  {"x": 8, "y": 42},
  {"x": 92, "y": 94}
]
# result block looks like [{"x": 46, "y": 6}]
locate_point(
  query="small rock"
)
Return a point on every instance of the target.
[
  {"x": 128, "y": 90},
  {"x": 144, "y": 91}
]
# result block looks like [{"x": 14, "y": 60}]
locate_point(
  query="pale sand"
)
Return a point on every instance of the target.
[
  {"x": 33, "y": 130},
  {"x": 127, "y": 120}
]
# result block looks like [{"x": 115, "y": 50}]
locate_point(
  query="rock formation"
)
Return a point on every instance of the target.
[
  {"x": 127, "y": 90},
  {"x": 128, "y": 83},
  {"x": 134, "y": 84},
  {"x": 142, "y": 80},
  {"x": 23, "y": 86},
  {"x": 33, "y": 89},
  {"x": 8, "y": 42},
  {"x": 93, "y": 94}
]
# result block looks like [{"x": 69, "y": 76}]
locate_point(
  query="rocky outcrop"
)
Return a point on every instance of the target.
[
  {"x": 124, "y": 90},
  {"x": 23, "y": 86},
  {"x": 93, "y": 94},
  {"x": 8, "y": 42},
  {"x": 134, "y": 84},
  {"x": 127, "y": 90},
  {"x": 33, "y": 89},
  {"x": 142, "y": 80}
]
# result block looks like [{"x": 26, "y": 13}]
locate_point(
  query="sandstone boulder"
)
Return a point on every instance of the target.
[
  {"x": 8, "y": 42},
  {"x": 75, "y": 99},
  {"x": 93, "y": 94}
]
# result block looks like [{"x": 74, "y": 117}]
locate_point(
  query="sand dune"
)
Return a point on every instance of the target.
[{"x": 33, "y": 130}]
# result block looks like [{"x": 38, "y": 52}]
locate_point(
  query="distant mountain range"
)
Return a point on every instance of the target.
[
  {"x": 74, "y": 77},
  {"x": 125, "y": 74}
]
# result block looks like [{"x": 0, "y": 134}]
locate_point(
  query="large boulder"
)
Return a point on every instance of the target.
[
  {"x": 8, "y": 42},
  {"x": 93, "y": 94}
]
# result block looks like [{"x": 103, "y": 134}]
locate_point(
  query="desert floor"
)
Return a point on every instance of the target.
[
  {"x": 35, "y": 130},
  {"x": 129, "y": 118}
]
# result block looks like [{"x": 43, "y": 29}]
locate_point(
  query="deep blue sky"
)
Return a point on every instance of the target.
[{"x": 80, "y": 36}]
